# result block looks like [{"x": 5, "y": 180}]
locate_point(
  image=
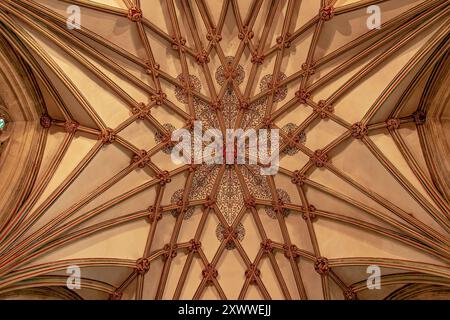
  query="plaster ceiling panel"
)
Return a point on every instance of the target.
[
  {"x": 390, "y": 150},
  {"x": 87, "y": 183},
  {"x": 287, "y": 270},
  {"x": 158, "y": 14},
  {"x": 357, "y": 152},
  {"x": 311, "y": 280},
  {"x": 335, "y": 208},
  {"x": 124, "y": 242},
  {"x": 100, "y": 97},
  {"x": 231, "y": 268},
  {"x": 335, "y": 242},
  {"x": 369, "y": 89},
  {"x": 330, "y": 182},
  {"x": 113, "y": 27},
  {"x": 322, "y": 132},
  {"x": 193, "y": 280},
  {"x": 348, "y": 26},
  {"x": 54, "y": 140},
  {"x": 130, "y": 205},
  {"x": 410, "y": 137},
  {"x": 78, "y": 148},
  {"x": 268, "y": 277},
  {"x": 151, "y": 280}
]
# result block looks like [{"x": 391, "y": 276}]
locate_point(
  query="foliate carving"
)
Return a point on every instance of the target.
[
  {"x": 319, "y": 158},
  {"x": 45, "y": 121},
  {"x": 393, "y": 124},
  {"x": 359, "y": 130},
  {"x": 326, "y": 13},
  {"x": 323, "y": 108},
  {"x": 194, "y": 245},
  {"x": 284, "y": 42},
  {"x": 134, "y": 14},
  {"x": 291, "y": 251},
  {"x": 321, "y": 265},
  {"x": 153, "y": 215},
  {"x": 142, "y": 265},
  {"x": 246, "y": 34},
  {"x": 178, "y": 43},
  {"x": 257, "y": 58},
  {"x": 152, "y": 68},
  {"x": 142, "y": 111},
  {"x": 159, "y": 97},
  {"x": 107, "y": 136},
  {"x": 350, "y": 294},
  {"x": 210, "y": 203},
  {"x": 216, "y": 105},
  {"x": 244, "y": 104},
  {"x": 267, "y": 245},
  {"x": 419, "y": 117},
  {"x": 250, "y": 202},
  {"x": 163, "y": 177},
  {"x": 299, "y": 178},
  {"x": 71, "y": 126},
  {"x": 229, "y": 235},
  {"x": 202, "y": 57},
  {"x": 308, "y": 68},
  {"x": 169, "y": 251},
  {"x": 309, "y": 213},
  {"x": 141, "y": 158},
  {"x": 302, "y": 95},
  {"x": 209, "y": 273},
  {"x": 116, "y": 295},
  {"x": 252, "y": 273},
  {"x": 213, "y": 36}
]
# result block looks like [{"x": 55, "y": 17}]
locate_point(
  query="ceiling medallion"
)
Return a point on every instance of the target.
[{"x": 229, "y": 197}]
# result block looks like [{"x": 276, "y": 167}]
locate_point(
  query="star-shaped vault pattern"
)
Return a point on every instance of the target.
[{"x": 353, "y": 189}]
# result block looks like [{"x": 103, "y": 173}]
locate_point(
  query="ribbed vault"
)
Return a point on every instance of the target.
[{"x": 358, "y": 181}]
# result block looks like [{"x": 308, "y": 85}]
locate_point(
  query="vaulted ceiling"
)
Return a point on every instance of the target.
[{"x": 87, "y": 178}]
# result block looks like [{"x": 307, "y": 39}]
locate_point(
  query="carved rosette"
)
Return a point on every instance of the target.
[
  {"x": 283, "y": 198},
  {"x": 267, "y": 246},
  {"x": 319, "y": 158},
  {"x": 213, "y": 37},
  {"x": 209, "y": 273},
  {"x": 169, "y": 251},
  {"x": 302, "y": 95},
  {"x": 359, "y": 130},
  {"x": 246, "y": 34},
  {"x": 326, "y": 13},
  {"x": 142, "y": 265},
  {"x": 141, "y": 158},
  {"x": 202, "y": 57},
  {"x": 177, "y": 198},
  {"x": 350, "y": 294},
  {"x": 194, "y": 245},
  {"x": 291, "y": 251},
  {"x": 116, "y": 295},
  {"x": 160, "y": 137},
  {"x": 323, "y": 108},
  {"x": 310, "y": 213},
  {"x": 299, "y": 178},
  {"x": 252, "y": 273},
  {"x": 393, "y": 124},
  {"x": 71, "y": 126},
  {"x": 134, "y": 14},
  {"x": 107, "y": 136},
  {"x": 45, "y": 121},
  {"x": 321, "y": 266},
  {"x": 419, "y": 117},
  {"x": 230, "y": 235}
]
